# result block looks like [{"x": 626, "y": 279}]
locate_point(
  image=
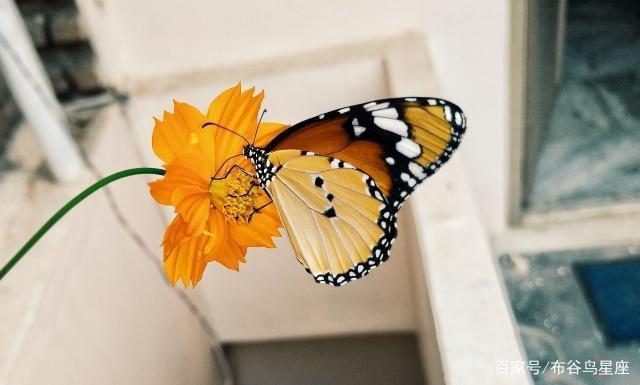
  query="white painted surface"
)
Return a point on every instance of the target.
[
  {"x": 474, "y": 326},
  {"x": 144, "y": 44},
  {"x": 286, "y": 48},
  {"x": 32, "y": 91},
  {"x": 469, "y": 50},
  {"x": 462, "y": 295}
]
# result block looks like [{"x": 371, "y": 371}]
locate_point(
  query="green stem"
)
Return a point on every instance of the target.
[{"x": 71, "y": 204}]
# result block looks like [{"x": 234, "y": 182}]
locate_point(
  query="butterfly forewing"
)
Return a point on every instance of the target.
[
  {"x": 338, "y": 179},
  {"x": 398, "y": 142},
  {"x": 338, "y": 220}
]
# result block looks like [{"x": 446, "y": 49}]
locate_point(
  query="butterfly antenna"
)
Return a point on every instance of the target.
[
  {"x": 255, "y": 135},
  {"x": 224, "y": 128}
]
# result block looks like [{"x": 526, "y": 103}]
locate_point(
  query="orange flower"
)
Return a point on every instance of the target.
[{"x": 221, "y": 210}]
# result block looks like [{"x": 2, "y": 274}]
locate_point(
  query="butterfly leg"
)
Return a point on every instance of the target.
[
  {"x": 254, "y": 183},
  {"x": 257, "y": 209},
  {"x": 254, "y": 180},
  {"x": 235, "y": 166},
  {"x": 225, "y": 162}
]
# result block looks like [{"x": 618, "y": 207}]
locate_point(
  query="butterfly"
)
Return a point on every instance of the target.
[{"x": 339, "y": 179}]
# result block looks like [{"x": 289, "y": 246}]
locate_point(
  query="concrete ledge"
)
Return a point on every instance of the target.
[{"x": 474, "y": 326}]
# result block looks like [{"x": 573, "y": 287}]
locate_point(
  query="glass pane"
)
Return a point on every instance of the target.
[{"x": 590, "y": 151}]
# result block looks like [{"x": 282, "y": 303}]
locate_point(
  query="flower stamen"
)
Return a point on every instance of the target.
[{"x": 237, "y": 196}]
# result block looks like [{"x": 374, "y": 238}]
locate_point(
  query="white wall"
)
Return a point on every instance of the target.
[
  {"x": 470, "y": 52},
  {"x": 142, "y": 42},
  {"x": 170, "y": 37}
]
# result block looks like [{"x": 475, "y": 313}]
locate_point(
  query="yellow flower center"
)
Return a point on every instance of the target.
[{"x": 237, "y": 196}]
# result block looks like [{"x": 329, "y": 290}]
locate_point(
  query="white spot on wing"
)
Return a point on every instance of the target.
[
  {"x": 374, "y": 106},
  {"x": 447, "y": 113},
  {"x": 335, "y": 163},
  {"x": 344, "y": 110},
  {"x": 410, "y": 99},
  {"x": 408, "y": 148},
  {"x": 458, "y": 118},
  {"x": 321, "y": 116},
  {"x": 393, "y": 125},
  {"x": 432, "y": 102},
  {"x": 358, "y": 130},
  {"x": 390, "y": 113},
  {"x": 370, "y": 104},
  {"x": 417, "y": 170},
  {"x": 390, "y": 160}
]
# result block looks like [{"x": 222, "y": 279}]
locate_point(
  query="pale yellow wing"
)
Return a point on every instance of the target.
[{"x": 338, "y": 221}]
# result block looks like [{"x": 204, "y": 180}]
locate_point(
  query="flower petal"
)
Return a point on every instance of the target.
[
  {"x": 182, "y": 131},
  {"x": 220, "y": 103},
  {"x": 192, "y": 154},
  {"x": 160, "y": 191},
  {"x": 191, "y": 165},
  {"x": 217, "y": 231},
  {"x": 185, "y": 257},
  {"x": 182, "y": 254},
  {"x": 186, "y": 186},
  {"x": 267, "y": 131},
  {"x": 237, "y": 111},
  {"x": 171, "y": 135},
  {"x": 257, "y": 233},
  {"x": 230, "y": 255},
  {"x": 193, "y": 205}
]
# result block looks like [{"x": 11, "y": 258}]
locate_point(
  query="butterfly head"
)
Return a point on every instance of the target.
[
  {"x": 259, "y": 159},
  {"x": 248, "y": 151}
]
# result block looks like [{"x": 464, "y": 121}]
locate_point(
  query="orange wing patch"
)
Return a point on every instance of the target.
[
  {"x": 430, "y": 130},
  {"x": 329, "y": 138},
  {"x": 398, "y": 142},
  {"x": 321, "y": 137}
]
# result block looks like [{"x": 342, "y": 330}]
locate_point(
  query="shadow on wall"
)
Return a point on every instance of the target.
[
  {"x": 372, "y": 360},
  {"x": 9, "y": 116}
]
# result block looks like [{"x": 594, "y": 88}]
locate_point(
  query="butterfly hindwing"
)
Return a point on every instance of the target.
[
  {"x": 338, "y": 179},
  {"x": 338, "y": 220},
  {"x": 398, "y": 142}
]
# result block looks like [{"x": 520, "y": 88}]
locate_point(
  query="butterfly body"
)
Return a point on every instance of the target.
[{"x": 339, "y": 179}]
